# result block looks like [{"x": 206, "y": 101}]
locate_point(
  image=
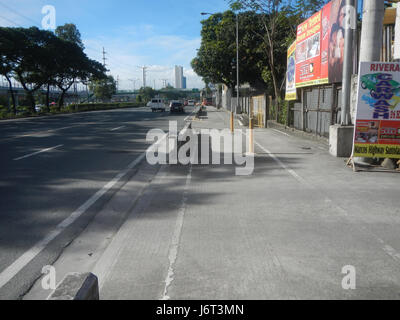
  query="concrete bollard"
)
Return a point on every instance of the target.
[{"x": 77, "y": 286}]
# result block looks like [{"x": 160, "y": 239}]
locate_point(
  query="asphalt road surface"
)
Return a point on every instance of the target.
[{"x": 53, "y": 167}]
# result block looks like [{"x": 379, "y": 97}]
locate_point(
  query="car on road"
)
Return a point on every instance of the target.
[
  {"x": 176, "y": 106},
  {"x": 157, "y": 104},
  {"x": 191, "y": 103}
]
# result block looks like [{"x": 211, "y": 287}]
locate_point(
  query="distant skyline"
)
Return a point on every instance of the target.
[{"x": 158, "y": 34}]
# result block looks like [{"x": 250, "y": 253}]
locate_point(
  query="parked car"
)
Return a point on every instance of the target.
[
  {"x": 176, "y": 106},
  {"x": 191, "y": 103},
  {"x": 157, "y": 105}
]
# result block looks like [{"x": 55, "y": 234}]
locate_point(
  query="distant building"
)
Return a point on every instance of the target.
[
  {"x": 178, "y": 77},
  {"x": 183, "y": 82}
]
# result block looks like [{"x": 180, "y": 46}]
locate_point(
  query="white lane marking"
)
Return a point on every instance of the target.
[
  {"x": 35, "y": 153},
  {"x": 279, "y": 162},
  {"x": 115, "y": 129},
  {"x": 186, "y": 119},
  {"x": 42, "y": 132},
  {"x": 390, "y": 251},
  {"x": 29, "y": 255},
  {"x": 173, "y": 251},
  {"x": 281, "y": 132}
]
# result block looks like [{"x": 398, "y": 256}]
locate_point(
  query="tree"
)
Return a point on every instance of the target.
[
  {"x": 271, "y": 13},
  {"x": 147, "y": 93},
  {"x": 216, "y": 58},
  {"x": 69, "y": 32},
  {"x": 32, "y": 59},
  {"x": 103, "y": 89},
  {"x": 8, "y": 61}
]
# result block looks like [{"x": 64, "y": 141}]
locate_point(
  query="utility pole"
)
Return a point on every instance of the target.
[
  {"x": 164, "y": 82},
  {"x": 349, "y": 25},
  {"x": 104, "y": 58},
  {"x": 372, "y": 28},
  {"x": 134, "y": 83},
  {"x": 237, "y": 61},
  {"x": 117, "y": 82}
]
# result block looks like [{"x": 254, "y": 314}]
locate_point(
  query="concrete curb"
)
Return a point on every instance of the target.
[{"x": 77, "y": 286}]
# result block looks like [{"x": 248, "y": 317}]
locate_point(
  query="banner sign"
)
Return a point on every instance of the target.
[
  {"x": 291, "y": 92},
  {"x": 320, "y": 46},
  {"x": 377, "y": 129}
]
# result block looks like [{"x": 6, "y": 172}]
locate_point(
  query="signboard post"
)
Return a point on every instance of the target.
[{"x": 377, "y": 128}]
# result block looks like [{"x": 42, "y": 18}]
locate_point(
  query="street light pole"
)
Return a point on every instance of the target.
[{"x": 237, "y": 62}]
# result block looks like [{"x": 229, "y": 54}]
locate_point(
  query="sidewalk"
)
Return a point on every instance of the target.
[{"x": 285, "y": 232}]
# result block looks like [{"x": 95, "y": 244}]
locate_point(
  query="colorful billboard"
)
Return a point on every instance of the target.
[
  {"x": 291, "y": 92},
  {"x": 377, "y": 129},
  {"x": 308, "y": 51},
  {"x": 320, "y": 46}
]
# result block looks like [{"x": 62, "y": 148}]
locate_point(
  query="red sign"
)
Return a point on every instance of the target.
[{"x": 320, "y": 46}]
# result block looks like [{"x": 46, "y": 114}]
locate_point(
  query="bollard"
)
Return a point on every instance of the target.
[{"x": 251, "y": 137}]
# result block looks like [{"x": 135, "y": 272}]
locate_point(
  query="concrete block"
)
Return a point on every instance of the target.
[
  {"x": 77, "y": 286},
  {"x": 341, "y": 140}
]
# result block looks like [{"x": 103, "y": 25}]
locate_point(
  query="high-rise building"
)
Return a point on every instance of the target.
[
  {"x": 178, "y": 77},
  {"x": 183, "y": 82}
]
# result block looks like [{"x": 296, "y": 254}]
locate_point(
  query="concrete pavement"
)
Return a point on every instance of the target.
[{"x": 284, "y": 232}]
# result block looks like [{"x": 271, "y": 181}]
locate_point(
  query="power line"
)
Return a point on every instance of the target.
[{"x": 20, "y": 14}]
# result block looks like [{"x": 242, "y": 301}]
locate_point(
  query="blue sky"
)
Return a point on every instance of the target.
[{"x": 156, "y": 33}]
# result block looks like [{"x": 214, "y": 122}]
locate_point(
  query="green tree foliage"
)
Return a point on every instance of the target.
[
  {"x": 69, "y": 32},
  {"x": 38, "y": 58},
  {"x": 103, "y": 89},
  {"x": 147, "y": 93},
  {"x": 260, "y": 64}
]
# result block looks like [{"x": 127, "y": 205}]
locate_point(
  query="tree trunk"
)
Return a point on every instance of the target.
[
  {"x": 48, "y": 98},
  {"x": 14, "y": 106},
  {"x": 33, "y": 103},
  {"x": 61, "y": 100}
]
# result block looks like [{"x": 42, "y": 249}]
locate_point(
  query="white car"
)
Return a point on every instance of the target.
[
  {"x": 191, "y": 103},
  {"x": 157, "y": 104}
]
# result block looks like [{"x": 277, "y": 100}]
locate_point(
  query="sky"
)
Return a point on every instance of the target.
[{"x": 158, "y": 34}]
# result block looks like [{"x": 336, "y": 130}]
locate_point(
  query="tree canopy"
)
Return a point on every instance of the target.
[{"x": 37, "y": 58}]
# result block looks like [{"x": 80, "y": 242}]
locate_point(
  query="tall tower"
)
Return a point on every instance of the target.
[{"x": 178, "y": 77}]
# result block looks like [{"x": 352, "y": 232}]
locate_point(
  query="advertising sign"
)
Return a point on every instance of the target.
[
  {"x": 308, "y": 51},
  {"x": 377, "y": 129},
  {"x": 291, "y": 93},
  {"x": 320, "y": 46}
]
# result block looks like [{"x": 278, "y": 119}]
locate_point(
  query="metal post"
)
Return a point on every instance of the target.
[
  {"x": 397, "y": 35},
  {"x": 237, "y": 61},
  {"x": 349, "y": 25}
]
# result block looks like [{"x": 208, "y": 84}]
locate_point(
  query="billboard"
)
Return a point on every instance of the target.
[
  {"x": 320, "y": 46},
  {"x": 291, "y": 92},
  {"x": 377, "y": 128}
]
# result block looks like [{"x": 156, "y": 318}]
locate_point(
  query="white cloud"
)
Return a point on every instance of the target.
[{"x": 160, "y": 53}]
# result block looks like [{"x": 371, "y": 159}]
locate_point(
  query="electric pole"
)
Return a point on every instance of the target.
[{"x": 104, "y": 58}]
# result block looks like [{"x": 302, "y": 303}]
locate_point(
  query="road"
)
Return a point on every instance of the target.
[
  {"x": 49, "y": 168},
  {"x": 290, "y": 230}
]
